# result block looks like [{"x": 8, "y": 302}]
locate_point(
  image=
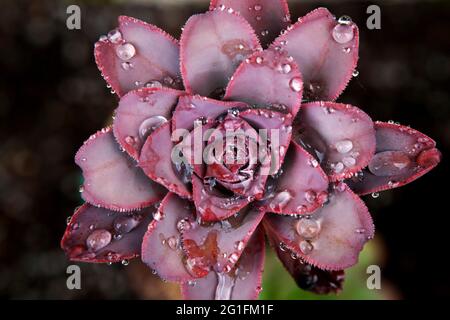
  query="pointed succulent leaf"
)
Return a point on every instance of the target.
[
  {"x": 267, "y": 17},
  {"x": 301, "y": 186},
  {"x": 268, "y": 79},
  {"x": 213, "y": 45},
  {"x": 332, "y": 237},
  {"x": 402, "y": 155},
  {"x": 342, "y": 137},
  {"x": 161, "y": 247},
  {"x": 101, "y": 235},
  {"x": 137, "y": 54},
  {"x": 111, "y": 178},
  {"x": 326, "y": 52},
  {"x": 158, "y": 162},
  {"x": 139, "y": 113}
]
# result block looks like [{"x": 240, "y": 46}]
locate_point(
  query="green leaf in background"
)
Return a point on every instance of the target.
[{"x": 279, "y": 285}]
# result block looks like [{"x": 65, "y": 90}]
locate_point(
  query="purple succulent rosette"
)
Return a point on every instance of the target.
[{"x": 240, "y": 66}]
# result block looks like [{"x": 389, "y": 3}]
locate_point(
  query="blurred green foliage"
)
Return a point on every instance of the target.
[{"x": 279, "y": 285}]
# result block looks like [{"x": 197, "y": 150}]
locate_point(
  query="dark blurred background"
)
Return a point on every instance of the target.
[{"x": 52, "y": 98}]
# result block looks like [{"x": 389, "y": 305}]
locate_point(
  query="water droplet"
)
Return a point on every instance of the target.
[
  {"x": 183, "y": 225},
  {"x": 239, "y": 245},
  {"x": 69, "y": 218},
  {"x": 349, "y": 161},
  {"x": 286, "y": 68},
  {"x": 280, "y": 200},
  {"x": 126, "y": 51},
  {"x": 258, "y": 18},
  {"x": 158, "y": 215},
  {"x": 259, "y": 60},
  {"x": 375, "y": 195},
  {"x": 346, "y": 50},
  {"x": 338, "y": 167},
  {"x": 344, "y": 146},
  {"x": 360, "y": 230},
  {"x": 124, "y": 224},
  {"x": 233, "y": 258},
  {"x": 257, "y": 7},
  {"x": 154, "y": 84},
  {"x": 307, "y": 228},
  {"x": 81, "y": 189},
  {"x": 296, "y": 84},
  {"x": 224, "y": 287},
  {"x": 345, "y": 20},
  {"x": 125, "y": 262},
  {"x": 313, "y": 163},
  {"x": 98, "y": 239},
  {"x": 310, "y": 196},
  {"x": 114, "y": 36},
  {"x": 264, "y": 33},
  {"x": 191, "y": 283},
  {"x": 355, "y": 73},
  {"x": 75, "y": 226},
  {"x": 149, "y": 125},
  {"x": 389, "y": 163},
  {"x": 306, "y": 247},
  {"x": 282, "y": 246},
  {"x": 127, "y": 66},
  {"x": 172, "y": 242},
  {"x": 130, "y": 140},
  {"x": 344, "y": 31}
]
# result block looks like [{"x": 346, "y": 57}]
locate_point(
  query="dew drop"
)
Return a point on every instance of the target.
[
  {"x": 125, "y": 51},
  {"x": 257, "y": 7},
  {"x": 344, "y": 146},
  {"x": 124, "y": 224},
  {"x": 349, "y": 161},
  {"x": 306, "y": 247},
  {"x": 389, "y": 163},
  {"x": 286, "y": 68},
  {"x": 280, "y": 200},
  {"x": 114, "y": 36},
  {"x": 239, "y": 245},
  {"x": 154, "y": 84},
  {"x": 307, "y": 228},
  {"x": 344, "y": 31},
  {"x": 310, "y": 196},
  {"x": 338, "y": 167},
  {"x": 296, "y": 84},
  {"x": 149, "y": 125},
  {"x": 313, "y": 163},
  {"x": 375, "y": 195},
  {"x": 158, "y": 215},
  {"x": 172, "y": 242},
  {"x": 127, "y": 65},
  {"x": 355, "y": 73},
  {"x": 130, "y": 140},
  {"x": 259, "y": 60},
  {"x": 98, "y": 239},
  {"x": 125, "y": 262}
]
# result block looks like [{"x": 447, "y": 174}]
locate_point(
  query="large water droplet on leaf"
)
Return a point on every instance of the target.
[{"x": 98, "y": 239}]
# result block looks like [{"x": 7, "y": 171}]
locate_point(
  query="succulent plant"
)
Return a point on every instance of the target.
[{"x": 230, "y": 135}]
